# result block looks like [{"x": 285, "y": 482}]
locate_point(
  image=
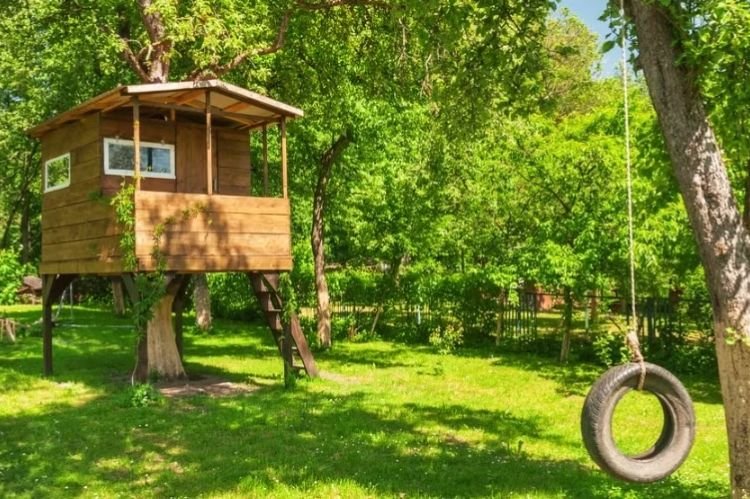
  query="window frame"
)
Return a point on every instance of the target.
[
  {"x": 131, "y": 173},
  {"x": 53, "y": 188}
]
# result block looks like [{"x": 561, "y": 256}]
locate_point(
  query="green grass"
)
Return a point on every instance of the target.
[{"x": 388, "y": 420}]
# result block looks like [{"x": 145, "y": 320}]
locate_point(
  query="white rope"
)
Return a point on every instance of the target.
[
  {"x": 628, "y": 166},
  {"x": 632, "y": 336}
]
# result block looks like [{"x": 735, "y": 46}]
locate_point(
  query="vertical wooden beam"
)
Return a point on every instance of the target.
[
  {"x": 53, "y": 287},
  {"x": 265, "y": 160},
  {"x": 137, "y": 142},
  {"x": 250, "y": 156},
  {"x": 209, "y": 152},
  {"x": 47, "y": 281},
  {"x": 286, "y": 353},
  {"x": 283, "y": 159}
]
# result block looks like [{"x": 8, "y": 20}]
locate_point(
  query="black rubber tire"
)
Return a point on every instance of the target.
[{"x": 677, "y": 435}]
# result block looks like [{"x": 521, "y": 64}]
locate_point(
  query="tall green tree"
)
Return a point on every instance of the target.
[{"x": 667, "y": 34}]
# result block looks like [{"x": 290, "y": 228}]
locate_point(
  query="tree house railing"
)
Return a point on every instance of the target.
[{"x": 202, "y": 232}]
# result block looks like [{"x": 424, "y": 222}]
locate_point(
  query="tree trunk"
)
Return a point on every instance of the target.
[
  {"x": 317, "y": 236},
  {"x": 157, "y": 351},
  {"x": 202, "y": 302},
  {"x": 567, "y": 324},
  {"x": 746, "y": 211},
  {"x": 118, "y": 297},
  {"x": 722, "y": 238},
  {"x": 25, "y": 230},
  {"x": 163, "y": 355}
]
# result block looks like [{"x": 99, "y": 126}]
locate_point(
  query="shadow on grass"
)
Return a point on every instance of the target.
[
  {"x": 577, "y": 378},
  {"x": 276, "y": 441},
  {"x": 286, "y": 441},
  {"x": 93, "y": 347}
]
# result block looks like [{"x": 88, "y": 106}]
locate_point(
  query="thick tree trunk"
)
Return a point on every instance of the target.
[
  {"x": 202, "y": 302},
  {"x": 163, "y": 355},
  {"x": 746, "y": 212},
  {"x": 157, "y": 351},
  {"x": 722, "y": 238},
  {"x": 317, "y": 236}
]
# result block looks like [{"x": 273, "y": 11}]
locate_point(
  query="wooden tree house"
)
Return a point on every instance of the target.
[{"x": 190, "y": 141}]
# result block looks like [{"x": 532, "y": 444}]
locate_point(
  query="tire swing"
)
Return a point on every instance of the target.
[{"x": 678, "y": 432}]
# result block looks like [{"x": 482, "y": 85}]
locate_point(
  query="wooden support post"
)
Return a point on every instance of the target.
[
  {"x": 283, "y": 159},
  {"x": 265, "y": 160},
  {"x": 209, "y": 152},
  {"x": 250, "y": 157},
  {"x": 47, "y": 327},
  {"x": 286, "y": 353},
  {"x": 53, "y": 287},
  {"x": 137, "y": 142}
]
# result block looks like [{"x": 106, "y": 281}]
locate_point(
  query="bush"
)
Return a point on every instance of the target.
[
  {"x": 12, "y": 273},
  {"x": 610, "y": 349},
  {"x": 141, "y": 395},
  {"x": 232, "y": 297},
  {"x": 93, "y": 290},
  {"x": 448, "y": 336}
]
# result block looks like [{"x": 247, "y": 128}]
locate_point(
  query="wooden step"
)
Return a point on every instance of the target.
[
  {"x": 265, "y": 286},
  {"x": 264, "y": 282}
]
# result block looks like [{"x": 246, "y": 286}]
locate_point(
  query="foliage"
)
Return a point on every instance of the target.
[
  {"x": 610, "y": 349},
  {"x": 142, "y": 395},
  {"x": 123, "y": 203},
  {"x": 447, "y": 337},
  {"x": 12, "y": 273},
  {"x": 231, "y": 296}
]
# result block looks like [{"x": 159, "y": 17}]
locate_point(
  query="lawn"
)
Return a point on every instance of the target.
[{"x": 387, "y": 420}]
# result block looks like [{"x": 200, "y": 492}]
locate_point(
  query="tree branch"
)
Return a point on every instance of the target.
[
  {"x": 133, "y": 61},
  {"x": 329, "y": 4},
  {"x": 217, "y": 70},
  {"x": 157, "y": 61}
]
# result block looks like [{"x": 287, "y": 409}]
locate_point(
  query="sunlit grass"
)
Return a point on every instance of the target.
[
  {"x": 636, "y": 424},
  {"x": 386, "y": 420}
]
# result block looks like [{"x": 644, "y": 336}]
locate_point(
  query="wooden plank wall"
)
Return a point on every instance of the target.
[
  {"x": 224, "y": 233},
  {"x": 233, "y": 162},
  {"x": 79, "y": 232}
]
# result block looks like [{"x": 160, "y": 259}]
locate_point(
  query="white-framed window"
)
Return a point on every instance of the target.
[
  {"x": 57, "y": 173},
  {"x": 157, "y": 160}
]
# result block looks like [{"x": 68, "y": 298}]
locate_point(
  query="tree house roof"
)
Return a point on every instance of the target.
[{"x": 244, "y": 107}]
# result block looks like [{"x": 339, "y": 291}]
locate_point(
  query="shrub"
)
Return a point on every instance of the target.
[
  {"x": 141, "y": 395},
  {"x": 232, "y": 296},
  {"x": 12, "y": 273},
  {"x": 447, "y": 337},
  {"x": 610, "y": 349}
]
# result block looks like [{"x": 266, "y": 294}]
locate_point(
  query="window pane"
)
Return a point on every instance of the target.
[
  {"x": 155, "y": 160},
  {"x": 120, "y": 156},
  {"x": 58, "y": 172}
]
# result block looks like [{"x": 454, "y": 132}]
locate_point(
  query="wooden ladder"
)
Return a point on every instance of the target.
[{"x": 266, "y": 288}]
